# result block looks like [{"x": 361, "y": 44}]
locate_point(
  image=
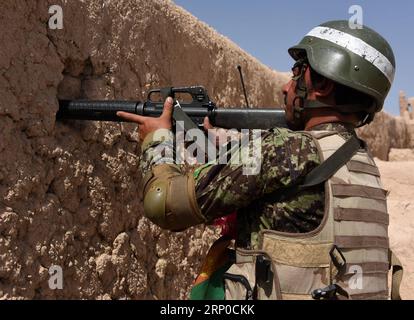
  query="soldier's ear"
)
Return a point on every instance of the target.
[
  {"x": 324, "y": 88},
  {"x": 317, "y": 85}
]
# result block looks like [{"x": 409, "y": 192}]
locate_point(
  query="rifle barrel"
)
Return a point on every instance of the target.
[
  {"x": 255, "y": 118},
  {"x": 96, "y": 110},
  {"x": 228, "y": 118}
]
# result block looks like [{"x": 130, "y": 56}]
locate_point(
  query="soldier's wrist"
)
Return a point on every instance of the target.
[{"x": 157, "y": 137}]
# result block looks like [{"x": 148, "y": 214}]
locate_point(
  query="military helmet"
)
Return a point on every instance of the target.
[{"x": 358, "y": 58}]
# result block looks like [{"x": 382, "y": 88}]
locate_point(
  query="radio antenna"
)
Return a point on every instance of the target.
[{"x": 242, "y": 82}]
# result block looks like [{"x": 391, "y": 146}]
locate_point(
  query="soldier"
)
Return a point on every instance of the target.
[{"x": 314, "y": 221}]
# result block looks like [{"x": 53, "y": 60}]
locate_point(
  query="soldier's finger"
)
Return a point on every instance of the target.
[
  {"x": 168, "y": 108},
  {"x": 131, "y": 117},
  {"x": 206, "y": 123}
]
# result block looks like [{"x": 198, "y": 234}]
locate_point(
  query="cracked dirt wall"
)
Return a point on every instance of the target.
[{"x": 69, "y": 192}]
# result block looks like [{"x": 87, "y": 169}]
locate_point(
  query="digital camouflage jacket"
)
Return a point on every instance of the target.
[{"x": 286, "y": 158}]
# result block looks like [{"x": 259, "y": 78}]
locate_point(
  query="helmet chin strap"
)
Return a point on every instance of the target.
[
  {"x": 300, "y": 88},
  {"x": 311, "y": 95}
]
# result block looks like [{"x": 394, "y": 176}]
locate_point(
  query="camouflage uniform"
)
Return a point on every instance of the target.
[{"x": 287, "y": 157}]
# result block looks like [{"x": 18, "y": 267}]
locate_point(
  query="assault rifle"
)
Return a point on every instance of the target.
[{"x": 194, "y": 106}]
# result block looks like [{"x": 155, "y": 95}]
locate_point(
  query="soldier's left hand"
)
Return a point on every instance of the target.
[
  {"x": 219, "y": 136},
  {"x": 150, "y": 124}
]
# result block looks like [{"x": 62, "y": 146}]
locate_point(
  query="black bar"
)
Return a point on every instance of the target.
[{"x": 249, "y": 118}]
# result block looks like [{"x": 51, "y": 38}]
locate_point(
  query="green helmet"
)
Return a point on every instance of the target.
[{"x": 357, "y": 58}]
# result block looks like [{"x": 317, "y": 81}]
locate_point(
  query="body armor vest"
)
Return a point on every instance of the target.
[
  {"x": 349, "y": 251},
  {"x": 350, "y": 247}
]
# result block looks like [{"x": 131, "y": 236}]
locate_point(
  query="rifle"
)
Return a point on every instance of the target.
[{"x": 195, "y": 107}]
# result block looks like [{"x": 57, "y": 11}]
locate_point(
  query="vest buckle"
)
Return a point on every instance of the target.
[
  {"x": 338, "y": 259},
  {"x": 327, "y": 293}
]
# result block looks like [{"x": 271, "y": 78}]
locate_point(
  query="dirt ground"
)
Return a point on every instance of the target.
[{"x": 398, "y": 178}]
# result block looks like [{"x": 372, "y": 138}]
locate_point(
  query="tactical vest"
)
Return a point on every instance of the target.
[{"x": 350, "y": 248}]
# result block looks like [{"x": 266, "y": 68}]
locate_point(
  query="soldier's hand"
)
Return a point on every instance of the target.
[
  {"x": 219, "y": 135},
  {"x": 150, "y": 124}
]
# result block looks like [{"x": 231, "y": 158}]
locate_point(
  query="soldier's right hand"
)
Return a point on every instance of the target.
[{"x": 219, "y": 136}]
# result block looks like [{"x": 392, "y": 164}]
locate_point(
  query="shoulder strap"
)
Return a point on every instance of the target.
[
  {"x": 322, "y": 172},
  {"x": 331, "y": 165}
]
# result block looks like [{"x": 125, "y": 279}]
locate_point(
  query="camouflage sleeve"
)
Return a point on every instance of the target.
[
  {"x": 285, "y": 157},
  {"x": 157, "y": 148}
]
